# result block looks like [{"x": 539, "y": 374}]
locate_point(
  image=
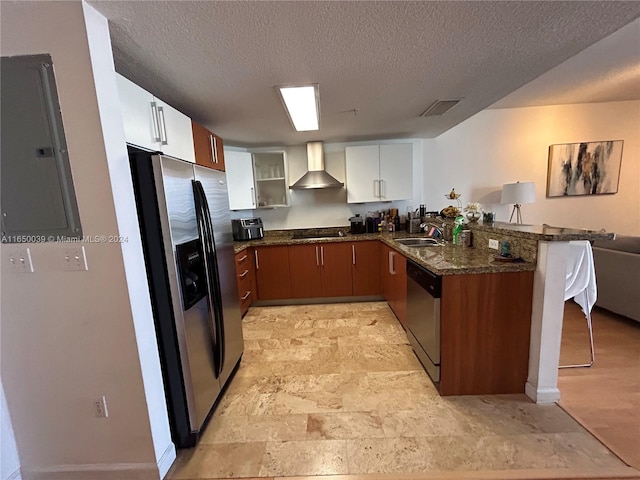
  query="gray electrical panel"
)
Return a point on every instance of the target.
[{"x": 37, "y": 200}]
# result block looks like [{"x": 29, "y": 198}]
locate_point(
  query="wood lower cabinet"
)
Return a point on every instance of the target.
[
  {"x": 208, "y": 147},
  {"x": 321, "y": 270},
  {"x": 335, "y": 263},
  {"x": 394, "y": 282},
  {"x": 366, "y": 274},
  {"x": 272, "y": 272},
  {"x": 304, "y": 267},
  {"x": 484, "y": 333},
  {"x": 246, "y": 279}
]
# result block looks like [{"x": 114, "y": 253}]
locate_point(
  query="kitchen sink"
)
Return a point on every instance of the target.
[{"x": 419, "y": 242}]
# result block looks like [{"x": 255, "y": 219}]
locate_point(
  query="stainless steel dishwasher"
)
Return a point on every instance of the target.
[{"x": 424, "y": 289}]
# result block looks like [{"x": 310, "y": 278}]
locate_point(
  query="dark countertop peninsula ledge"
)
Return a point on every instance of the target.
[{"x": 447, "y": 259}]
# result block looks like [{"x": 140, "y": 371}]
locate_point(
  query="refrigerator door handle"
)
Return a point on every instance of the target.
[
  {"x": 201, "y": 219},
  {"x": 215, "y": 284}
]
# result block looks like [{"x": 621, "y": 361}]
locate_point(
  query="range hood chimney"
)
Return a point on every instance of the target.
[{"x": 316, "y": 177}]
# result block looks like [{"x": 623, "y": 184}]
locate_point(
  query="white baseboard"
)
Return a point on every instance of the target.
[
  {"x": 118, "y": 471},
  {"x": 542, "y": 395},
  {"x": 166, "y": 460},
  {"x": 17, "y": 475}
]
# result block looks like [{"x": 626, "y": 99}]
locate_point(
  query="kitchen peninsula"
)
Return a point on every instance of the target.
[{"x": 494, "y": 312}]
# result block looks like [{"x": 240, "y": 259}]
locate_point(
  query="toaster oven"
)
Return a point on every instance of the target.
[{"x": 247, "y": 229}]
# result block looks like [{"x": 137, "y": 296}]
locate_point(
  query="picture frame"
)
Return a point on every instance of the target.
[{"x": 584, "y": 168}]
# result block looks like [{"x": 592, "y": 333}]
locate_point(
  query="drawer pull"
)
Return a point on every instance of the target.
[
  {"x": 242, "y": 259},
  {"x": 246, "y": 295},
  {"x": 244, "y": 274}
]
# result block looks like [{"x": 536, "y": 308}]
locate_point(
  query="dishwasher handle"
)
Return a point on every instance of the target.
[{"x": 429, "y": 281}]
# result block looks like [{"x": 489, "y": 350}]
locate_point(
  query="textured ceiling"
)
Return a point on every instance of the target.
[{"x": 219, "y": 61}]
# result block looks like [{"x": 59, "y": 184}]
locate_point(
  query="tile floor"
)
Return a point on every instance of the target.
[{"x": 335, "y": 389}]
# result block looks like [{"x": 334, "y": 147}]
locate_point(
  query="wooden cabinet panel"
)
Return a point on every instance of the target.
[
  {"x": 366, "y": 271},
  {"x": 272, "y": 272},
  {"x": 394, "y": 282},
  {"x": 246, "y": 279},
  {"x": 485, "y": 328},
  {"x": 400, "y": 288},
  {"x": 304, "y": 266},
  {"x": 335, "y": 262},
  {"x": 208, "y": 147}
]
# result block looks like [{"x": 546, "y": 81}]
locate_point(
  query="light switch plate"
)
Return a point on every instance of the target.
[
  {"x": 74, "y": 259},
  {"x": 493, "y": 244},
  {"x": 20, "y": 261}
]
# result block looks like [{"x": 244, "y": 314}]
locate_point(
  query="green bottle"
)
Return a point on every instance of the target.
[{"x": 457, "y": 229}]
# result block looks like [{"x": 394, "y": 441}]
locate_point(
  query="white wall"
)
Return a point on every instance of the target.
[
  {"x": 9, "y": 460},
  {"x": 68, "y": 337},
  {"x": 329, "y": 207},
  {"x": 506, "y": 145}
]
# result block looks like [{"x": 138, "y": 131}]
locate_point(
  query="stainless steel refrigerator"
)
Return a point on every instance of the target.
[{"x": 183, "y": 211}]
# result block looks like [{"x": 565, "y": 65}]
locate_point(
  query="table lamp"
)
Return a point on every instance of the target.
[{"x": 518, "y": 193}]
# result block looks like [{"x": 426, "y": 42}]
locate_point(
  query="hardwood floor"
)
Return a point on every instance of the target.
[{"x": 604, "y": 398}]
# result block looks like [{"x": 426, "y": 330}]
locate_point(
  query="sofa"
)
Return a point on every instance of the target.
[{"x": 617, "y": 264}]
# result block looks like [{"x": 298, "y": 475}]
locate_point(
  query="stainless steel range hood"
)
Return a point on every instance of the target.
[{"x": 316, "y": 177}]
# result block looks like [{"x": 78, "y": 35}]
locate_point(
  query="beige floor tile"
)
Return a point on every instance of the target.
[
  {"x": 310, "y": 457},
  {"x": 388, "y": 455},
  {"x": 386, "y": 400},
  {"x": 321, "y": 426},
  {"x": 303, "y": 402},
  {"x": 377, "y": 358},
  {"x": 231, "y": 460}
]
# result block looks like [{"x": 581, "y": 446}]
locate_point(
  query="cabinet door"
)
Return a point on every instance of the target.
[
  {"x": 202, "y": 145},
  {"x": 176, "y": 133},
  {"x": 400, "y": 288},
  {"x": 304, "y": 266},
  {"x": 396, "y": 171},
  {"x": 218, "y": 151},
  {"x": 246, "y": 278},
  {"x": 365, "y": 268},
  {"x": 363, "y": 173},
  {"x": 242, "y": 194},
  {"x": 139, "y": 121},
  {"x": 335, "y": 262},
  {"x": 272, "y": 272}
]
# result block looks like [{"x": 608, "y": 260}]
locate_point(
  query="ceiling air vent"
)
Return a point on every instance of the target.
[{"x": 439, "y": 107}]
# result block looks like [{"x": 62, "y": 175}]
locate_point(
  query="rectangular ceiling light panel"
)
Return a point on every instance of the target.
[{"x": 301, "y": 104}]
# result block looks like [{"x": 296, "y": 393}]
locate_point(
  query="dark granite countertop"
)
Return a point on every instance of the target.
[
  {"x": 447, "y": 259},
  {"x": 543, "y": 232}
]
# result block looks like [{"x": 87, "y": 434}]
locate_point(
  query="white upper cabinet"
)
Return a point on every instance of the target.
[
  {"x": 379, "y": 173},
  {"x": 153, "y": 124},
  {"x": 239, "y": 168}
]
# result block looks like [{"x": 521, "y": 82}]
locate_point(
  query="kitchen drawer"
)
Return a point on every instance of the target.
[
  {"x": 244, "y": 281},
  {"x": 244, "y": 259}
]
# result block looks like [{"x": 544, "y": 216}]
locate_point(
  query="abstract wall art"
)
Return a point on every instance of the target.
[{"x": 587, "y": 168}]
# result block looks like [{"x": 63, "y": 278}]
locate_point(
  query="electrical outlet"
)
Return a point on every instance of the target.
[
  {"x": 493, "y": 244},
  {"x": 20, "y": 261},
  {"x": 74, "y": 259},
  {"x": 100, "y": 407}
]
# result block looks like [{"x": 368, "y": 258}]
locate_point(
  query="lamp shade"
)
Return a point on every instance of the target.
[{"x": 519, "y": 192}]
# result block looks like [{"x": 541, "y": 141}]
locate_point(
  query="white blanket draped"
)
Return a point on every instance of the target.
[{"x": 581, "y": 276}]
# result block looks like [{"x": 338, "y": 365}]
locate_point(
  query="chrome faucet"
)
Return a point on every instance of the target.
[{"x": 438, "y": 229}]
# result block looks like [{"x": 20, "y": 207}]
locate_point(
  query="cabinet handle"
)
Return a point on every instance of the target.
[
  {"x": 383, "y": 188},
  {"x": 244, "y": 274},
  {"x": 376, "y": 191},
  {"x": 246, "y": 295},
  {"x": 255, "y": 252},
  {"x": 317, "y": 260},
  {"x": 163, "y": 126},
  {"x": 391, "y": 269},
  {"x": 242, "y": 259},
  {"x": 322, "y": 256},
  {"x": 353, "y": 254},
  {"x": 154, "y": 122},
  {"x": 253, "y": 196},
  {"x": 213, "y": 149}
]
